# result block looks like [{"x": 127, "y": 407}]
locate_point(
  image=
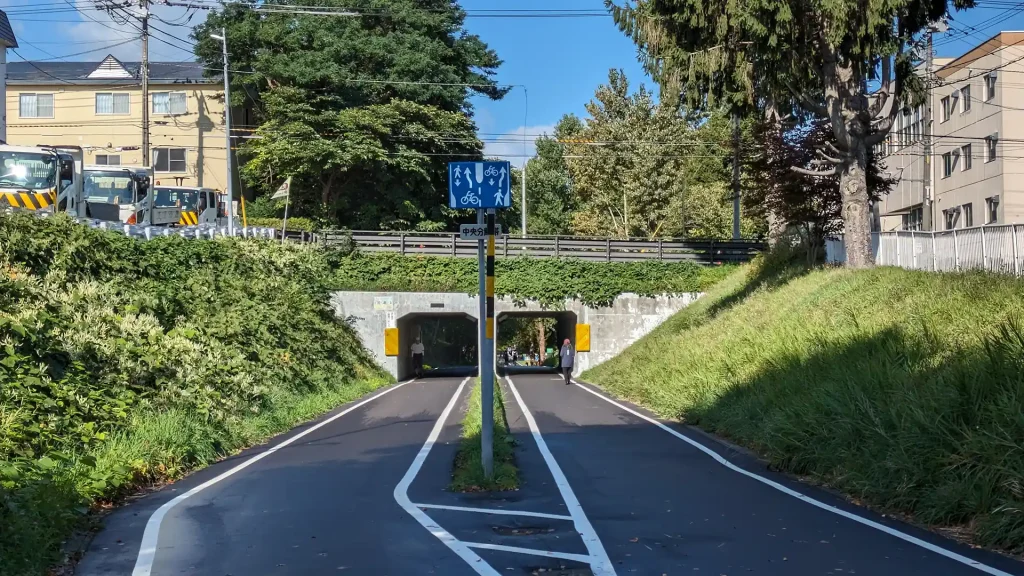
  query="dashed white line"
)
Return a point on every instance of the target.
[
  {"x": 600, "y": 565},
  {"x": 151, "y": 535},
  {"x": 402, "y": 497},
  {"x": 494, "y": 511},
  {"x": 532, "y": 551},
  {"x": 789, "y": 491}
]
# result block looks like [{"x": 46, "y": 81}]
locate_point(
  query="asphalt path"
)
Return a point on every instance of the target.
[
  {"x": 661, "y": 502},
  {"x": 323, "y": 504}
]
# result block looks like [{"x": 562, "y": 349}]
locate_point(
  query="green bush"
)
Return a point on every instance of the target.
[
  {"x": 294, "y": 224},
  {"x": 549, "y": 281},
  {"x": 125, "y": 362},
  {"x": 904, "y": 389}
]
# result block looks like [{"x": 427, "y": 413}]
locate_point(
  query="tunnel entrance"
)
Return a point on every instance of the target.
[
  {"x": 530, "y": 341},
  {"x": 449, "y": 344}
]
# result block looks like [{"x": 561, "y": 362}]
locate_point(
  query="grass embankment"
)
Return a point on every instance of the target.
[
  {"x": 468, "y": 473},
  {"x": 901, "y": 388},
  {"x": 549, "y": 281},
  {"x": 127, "y": 363}
]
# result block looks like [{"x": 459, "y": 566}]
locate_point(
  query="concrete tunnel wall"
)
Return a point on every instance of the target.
[{"x": 612, "y": 328}]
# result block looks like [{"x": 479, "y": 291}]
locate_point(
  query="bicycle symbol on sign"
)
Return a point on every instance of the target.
[
  {"x": 471, "y": 199},
  {"x": 491, "y": 171}
]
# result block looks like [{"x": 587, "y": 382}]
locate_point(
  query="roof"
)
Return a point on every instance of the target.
[
  {"x": 6, "y": 32},
  {"x": 1001, "y": 40},
  {"x": 108, "y": 71}
]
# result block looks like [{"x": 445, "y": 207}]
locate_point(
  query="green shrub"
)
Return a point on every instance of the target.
[
  {"x": 467, "y": 470},
  {"x": 904, "y": 389},
  {"x": 125, "y": 362},
  {"x": 294, "y": 224},
  {"x": 549, "y": 281}
]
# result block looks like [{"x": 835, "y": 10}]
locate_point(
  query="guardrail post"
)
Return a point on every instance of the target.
[
  {"x": 1016, "y": 256},
  {"x": 956, "y": 252},
  {"x": 661, "y": 249},
  {"x": 711, "y": 253},
  {"x": 455, "y": 238},
  {"x": 607, "y": 249},
  {"x": 401, "y": 243},
  {"x": 556, "y": 246},
  {"x": 984, "y": 251}
]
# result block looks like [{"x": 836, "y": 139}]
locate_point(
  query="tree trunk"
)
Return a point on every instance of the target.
[
  {"x": 542, "y": 348},
  {"x": 853, "y": 185}
]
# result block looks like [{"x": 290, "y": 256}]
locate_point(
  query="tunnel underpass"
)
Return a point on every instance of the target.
[
  {"x": 449, "y": 343},
  {"x": 536, "y": 337}
]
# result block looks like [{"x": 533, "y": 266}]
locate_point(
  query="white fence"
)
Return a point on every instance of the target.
[{"x": 992, "y": 248}]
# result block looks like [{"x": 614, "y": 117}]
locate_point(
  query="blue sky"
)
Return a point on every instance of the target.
[{"x": 561, "y": 61}]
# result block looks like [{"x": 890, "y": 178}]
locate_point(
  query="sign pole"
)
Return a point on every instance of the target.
[
  {"x": 487, "y": 369},
  {"x": 482, "y": 291}
]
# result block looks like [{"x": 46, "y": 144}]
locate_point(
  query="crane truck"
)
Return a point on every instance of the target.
[{"x": 42, "y": 178}]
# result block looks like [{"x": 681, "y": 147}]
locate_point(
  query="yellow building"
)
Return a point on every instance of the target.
[{"x": 98, "y": 106}]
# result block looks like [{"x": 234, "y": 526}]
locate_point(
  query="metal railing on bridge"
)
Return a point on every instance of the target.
[{"x": 584, "y": 248}]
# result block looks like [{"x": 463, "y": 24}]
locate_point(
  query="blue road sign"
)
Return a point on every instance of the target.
[{"x": 479, "y": 185}]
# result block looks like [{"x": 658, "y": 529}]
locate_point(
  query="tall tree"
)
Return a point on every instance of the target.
[
  {"x": 550, "y": 202},
  {"x": 800, "y": 57},
  {"x": 810, "y": 204},
  {"x": 362, "y": 111}
]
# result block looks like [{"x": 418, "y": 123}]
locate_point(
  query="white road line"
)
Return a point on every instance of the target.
[
  {"x": 531, "y": 551},
  {"x": 870, "y": 523},
  {"x": 402, "y": 497},
  {"x": 494, "y": 511},
  {"x": 151, "y": 535},
  {"x": 600, "y": 565}
]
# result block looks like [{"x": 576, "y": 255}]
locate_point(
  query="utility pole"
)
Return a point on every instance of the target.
[
  {"x": 227, "y": 132},
  {"x": 526, "y": 163},
  {"x": 929, "y": 195},
  {"x": 735, "y": 176},
  {"x": 146, "y": 157}
]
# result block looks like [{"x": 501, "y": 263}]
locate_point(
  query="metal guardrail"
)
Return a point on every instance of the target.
[
  {"x": 592, "y": 249},
  {"x": 996, "y": 248}
]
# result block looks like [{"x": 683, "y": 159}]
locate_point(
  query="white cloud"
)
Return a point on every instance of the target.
[
  {"x": 167, "y": 41},
  {"x": 509, "y": 146}
]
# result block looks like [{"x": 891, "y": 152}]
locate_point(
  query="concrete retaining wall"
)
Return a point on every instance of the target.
[{"x": 613, "y": 328}]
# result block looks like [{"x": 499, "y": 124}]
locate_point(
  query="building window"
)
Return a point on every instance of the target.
[
  {"x": 169, "y": 160},
  {"x": 990, "y": 86},
  {"x": 965, "y": 99},
  {"x": 990, "y": 148},
  {"x": 169, "y": 103},
  {"x": 992, "y": 207},
  {"x": 947, "y": 164},
  {"x": 965, "y": 157},
  {"x": 913, "y": 220},
  {"x": 968, "y": 210},
  {"x": 944, "y": 104},
  {"x": 108, "y": 159},
  {"x": 950, "y": 218},
  {"x": 113, "y": 103},
  {"x": 35, "y": 106}
]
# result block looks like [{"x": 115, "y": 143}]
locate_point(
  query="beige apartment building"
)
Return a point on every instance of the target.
[
  {"x": 98, "y": 106},
  {"x": 977, "y": 127}
]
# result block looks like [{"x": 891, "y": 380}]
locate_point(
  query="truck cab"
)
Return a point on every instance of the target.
[
  {"x": 122, "y": 194},
  {"x": 196, "y": 205},
  {"x": 41, "y": 178}
]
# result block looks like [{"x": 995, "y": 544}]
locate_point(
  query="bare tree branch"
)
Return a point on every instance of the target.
[
  {"x": 828, "y": 158},
  {"x": 823, "y": 173},
  {"x": 832, "y": 148},
  {"x": 805, "y": 101}
]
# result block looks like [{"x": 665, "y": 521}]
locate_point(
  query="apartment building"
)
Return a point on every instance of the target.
[
  {"x": 977, "y": 103},
  {"x": 98, "y": 106}
]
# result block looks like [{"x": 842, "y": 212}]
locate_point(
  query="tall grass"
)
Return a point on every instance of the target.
[
  {"x": 468, "y": 473},
  {"x": 904, "y": 389}
]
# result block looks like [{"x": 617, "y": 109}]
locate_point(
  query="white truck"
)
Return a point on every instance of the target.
[
  {"x": 42, "y": 178},
  {"x": 123, "y": 194},
  {"x": 196, "y": 205}
]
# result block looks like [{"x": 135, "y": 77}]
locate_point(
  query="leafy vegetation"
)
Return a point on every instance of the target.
[
  {"x": 901, "y": 388},
  {"x": 304, "y": 224},
  {"x": 125, "y": 363},
  {"x": 468, "y": 472},
  {"x": 549, "y": 281},
  {"x": 363, "y": 113}
]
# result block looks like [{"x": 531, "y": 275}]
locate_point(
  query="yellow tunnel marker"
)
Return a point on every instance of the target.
[
  {"x": 583, "y": 337},
  {"x": 391, "y": 347}
]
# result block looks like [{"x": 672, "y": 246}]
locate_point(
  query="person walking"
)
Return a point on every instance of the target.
[
  {"x": 417, "y": 357},
  {"x": 568, "y": 357}
]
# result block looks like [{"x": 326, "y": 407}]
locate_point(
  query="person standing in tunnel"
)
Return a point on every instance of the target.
[
  {"x": 568, "y": 357},
  {"x": 417, "y": 357}
]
